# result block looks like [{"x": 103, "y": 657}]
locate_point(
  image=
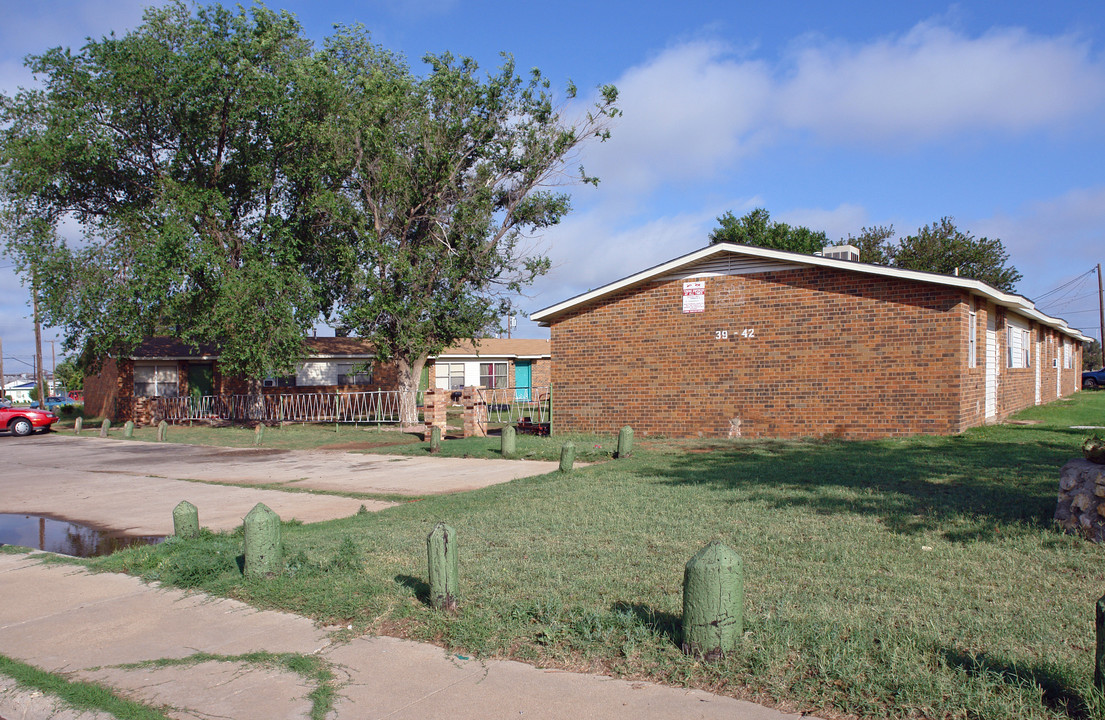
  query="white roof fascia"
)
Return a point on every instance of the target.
[
  {"x": 164, "y": 358},
  {"x": 1019, "y": 303},
  {"x": 347, "y": 356}
]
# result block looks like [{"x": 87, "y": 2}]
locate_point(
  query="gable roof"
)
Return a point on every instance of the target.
[
  {"x": 757, "y": 259},
  {"x": 498, "y": 347},
  {"x": 167, "y": 348}
]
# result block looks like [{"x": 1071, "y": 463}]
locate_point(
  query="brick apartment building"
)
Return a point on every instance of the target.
[{"x": 734, "y": 341}]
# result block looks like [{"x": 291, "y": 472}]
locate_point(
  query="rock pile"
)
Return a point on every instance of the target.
[{"x": 1081, "y": 507}]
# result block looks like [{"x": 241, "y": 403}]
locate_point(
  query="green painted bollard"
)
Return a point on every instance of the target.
[
  {"x": 104, "y": 427},
  {"x": 128, "y": 429},
  {"x": 713, "y": 602},
  {"x": 77, "y": 425},
  {"x": 625, "y": 442},
  {"x": 259, "y": 434},
  {"x": 264, "y": 549},
  {"x": 509, "y": 441},
  {"x": 567, "y": 456},
  {"x": 441, "y": 551},
  {"x": 1099, "y": 656},
  {"x": 162, "y": 430},
  {"x": 186, "y": 520},
  {"x": 435, "y": 439}
]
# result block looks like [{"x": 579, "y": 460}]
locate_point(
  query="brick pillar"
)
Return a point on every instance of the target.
[
  {"x": 433, "y": 409},
  {"x": 475, "y": 412},
  {"x": 142, "y": 415}
]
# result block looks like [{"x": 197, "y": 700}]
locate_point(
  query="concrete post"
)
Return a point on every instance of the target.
[
  {"x": 162, "y": 430},
  {"x": 77, "y": 425},
  {"x": 1099, "y": 656},
  {"x": 263, "y": 546},
  {"x": 104, "y": 427},
  {"x": 713, "y": 602},
  {"x": 435, "y": 439},
  {"x": 625, "y": 442},
  {"x": 508, "y": 441},
  {"x": 186, "y": 520},
  {"x": 128, "y": 429},
  {"x": 441, "y": 552},
  {"x": 259, "y": 434},
  {"x": 567, "y": 456}
]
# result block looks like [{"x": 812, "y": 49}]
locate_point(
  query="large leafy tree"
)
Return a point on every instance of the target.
[
  {"x": 757, "y": 228},
  {"x": 181, "y": 150},
  {"x": 436, "y": 186},
  {"x": 943, "y": 248}
]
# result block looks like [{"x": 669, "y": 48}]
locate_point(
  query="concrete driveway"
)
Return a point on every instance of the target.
[{"x": 132, "y": 487}]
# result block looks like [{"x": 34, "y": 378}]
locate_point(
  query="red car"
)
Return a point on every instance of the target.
[{"x": 24, "y": 421}]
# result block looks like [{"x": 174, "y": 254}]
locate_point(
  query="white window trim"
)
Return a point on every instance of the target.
[{"x": 972, "y": 339}]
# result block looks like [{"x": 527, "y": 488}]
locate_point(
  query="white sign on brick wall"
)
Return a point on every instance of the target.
[{"x": 694, "y": 296}]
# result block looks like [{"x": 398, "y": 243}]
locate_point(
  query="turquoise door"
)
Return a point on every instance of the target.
[{"x": 522, "y": 377}]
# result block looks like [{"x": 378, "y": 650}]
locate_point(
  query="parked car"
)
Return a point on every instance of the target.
[
  {"x": 23, "y": 421},
  {"x": 1093, "y": 378},
  {"x": 54, "y": 402}
]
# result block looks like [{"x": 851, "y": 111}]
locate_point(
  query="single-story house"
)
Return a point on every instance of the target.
[
  {"x": 20, "y": 390},
  {"x": 167, "y": 367},
  {"x": 519, "y": 363},
  {"x": 732, "y": 340},
  {"x": 163, "y": 367}
]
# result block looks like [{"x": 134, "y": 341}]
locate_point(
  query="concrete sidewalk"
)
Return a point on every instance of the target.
[{"x": 87, "y": 626}]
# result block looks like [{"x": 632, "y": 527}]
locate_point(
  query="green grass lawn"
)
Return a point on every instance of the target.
[{"x": 907, "y": 578}]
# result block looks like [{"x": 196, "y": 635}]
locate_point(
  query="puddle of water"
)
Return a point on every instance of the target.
[{"x": 64, "y": 537}]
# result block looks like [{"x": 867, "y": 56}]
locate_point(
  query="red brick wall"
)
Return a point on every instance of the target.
[
  {"x": 101, "y": 391},
  {"x": 831, "y": 353}
]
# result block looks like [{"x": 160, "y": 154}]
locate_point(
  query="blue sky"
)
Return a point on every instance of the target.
[{"x": 833, "y": 115}]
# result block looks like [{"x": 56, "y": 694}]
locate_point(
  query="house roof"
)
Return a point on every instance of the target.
[
  {"x": 498, "y": 347},
  {"x": 1014, "y": 302},
  {"x": 339, "y": 347},
  {"x": 166, "y": 348}
]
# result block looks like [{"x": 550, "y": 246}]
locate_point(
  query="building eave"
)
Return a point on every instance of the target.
[{"x": 1012, "y": 301}]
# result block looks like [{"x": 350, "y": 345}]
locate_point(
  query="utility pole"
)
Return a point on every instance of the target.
[
  {"x": 38, "y": 347},
  {"x": 1101, "y": 313},
  {"x": 53, "y": 367}
]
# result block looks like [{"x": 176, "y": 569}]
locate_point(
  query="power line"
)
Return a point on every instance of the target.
[{"x": 1091, "y": 271}]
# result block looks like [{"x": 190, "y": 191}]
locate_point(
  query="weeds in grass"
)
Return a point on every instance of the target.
[
  {"x": 81, "y": 696},
  {"x": 918, "y": 577},
  {"x": 313, "y": 669}
]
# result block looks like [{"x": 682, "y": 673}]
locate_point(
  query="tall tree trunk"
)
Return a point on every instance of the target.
[{"x": 410, "y": 372}]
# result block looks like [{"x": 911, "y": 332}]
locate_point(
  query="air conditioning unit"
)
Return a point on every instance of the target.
[{"x": 841, "y": 252}]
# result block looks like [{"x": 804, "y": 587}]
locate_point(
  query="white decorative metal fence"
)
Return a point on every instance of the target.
[
  {"x": 377, "y": 407},
  {"x": 510, "y": 405}
]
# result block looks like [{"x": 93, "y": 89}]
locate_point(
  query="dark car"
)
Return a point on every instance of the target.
[
  {"x": 1093, "y": 378},
  {"x": 23, "y": 421}
]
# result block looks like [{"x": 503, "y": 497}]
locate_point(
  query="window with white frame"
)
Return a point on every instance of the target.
[
  {"x": 156, "y": 380},
  {"x": 493, "y": 375},
  {"x": 1019, "y": 342},
  {"x": 354, "y": 373},
  {"x": 449, "y": 376},
  {"x": 1067, "y": 364},
  {"x": 972, "y": 339}
]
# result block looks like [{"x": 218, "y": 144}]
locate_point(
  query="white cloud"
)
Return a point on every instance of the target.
[
  {"x": 1051, "y": 242},
  {"x": 686, "y": 113},
  {"x": 933, "y": 81},
  {"x": 697, "y": 108},
  {"x": 840, "y": 222}
]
